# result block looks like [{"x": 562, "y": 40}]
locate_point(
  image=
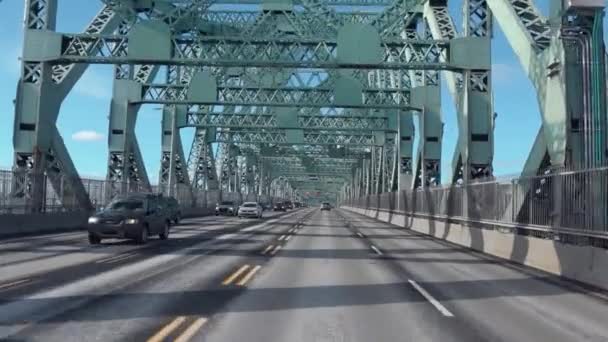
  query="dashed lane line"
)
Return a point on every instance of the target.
[
  {"x": 376, "y": 250},
  {"x": 431, "y": 299}
]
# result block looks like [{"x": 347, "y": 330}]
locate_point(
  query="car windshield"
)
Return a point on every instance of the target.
[
  {"x": 227, "y": 203},
  {"x": 250, "y": 205},
  {"x": 127, "y": 204}
]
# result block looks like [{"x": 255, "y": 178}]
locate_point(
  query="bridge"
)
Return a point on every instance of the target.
[{"x": 309, "y": 102}]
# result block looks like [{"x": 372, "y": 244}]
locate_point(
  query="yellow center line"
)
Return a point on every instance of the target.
[
  {"x": 167, "y": 330},
  {"x": 287, "y": 237},
  {"x": 14, "y": 283},
  {"x": 282, "y": 237},
  {"x": 191, "y": 330},
  {"x": 234, "y": 275},
  {"x": 248, "y": 276},
  {"x": 275, "y": 250},
  {"x": 267, "y": 249}
]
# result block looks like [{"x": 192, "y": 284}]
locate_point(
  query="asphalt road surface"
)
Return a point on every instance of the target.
[{"x": 305, "y": 275}]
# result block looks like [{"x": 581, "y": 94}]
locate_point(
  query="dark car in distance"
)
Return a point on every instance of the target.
[
  {"x": 226, "y": 208},
  {"x": 325, "y": 206},
  {"x": 288, "y": 205},
  {"x": 134, "y": 216},
  {"x": 279, "y": 206},
  {"x": 173, "y": 209}
]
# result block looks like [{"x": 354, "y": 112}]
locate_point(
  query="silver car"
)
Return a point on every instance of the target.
[{"x": 250, "y": 209}]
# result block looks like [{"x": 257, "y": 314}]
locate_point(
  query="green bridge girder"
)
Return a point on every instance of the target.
[{"x": 305, "y": 95}]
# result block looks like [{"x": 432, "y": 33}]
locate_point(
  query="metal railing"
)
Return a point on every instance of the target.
[
  {"x": 100, "y": 193},
  {"x": 570, "y": 200}
]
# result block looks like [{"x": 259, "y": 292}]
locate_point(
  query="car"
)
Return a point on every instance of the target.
[
  {"x": 279, "y": 206},
  {"x": 250, "y": 209},
  {"x": 226, "y": 208},
  {"x": 134, "y": 216},
  {"x": 288, "y": 205},
  {"x": 325, "y": 206},
  {"x": 173, "y": 209}
]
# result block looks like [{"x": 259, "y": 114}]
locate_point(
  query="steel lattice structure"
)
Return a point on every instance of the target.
[{"x": 307, "y": 95}]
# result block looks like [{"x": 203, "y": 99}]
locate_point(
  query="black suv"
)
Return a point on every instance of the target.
[
  {"x": 134, "y": 216},
  {"x": 173, "y": 210}
]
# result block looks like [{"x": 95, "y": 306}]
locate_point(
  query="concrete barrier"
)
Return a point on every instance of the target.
[
  {"x": 585, "y": 264},
  {"x": 12, "y": 225}
]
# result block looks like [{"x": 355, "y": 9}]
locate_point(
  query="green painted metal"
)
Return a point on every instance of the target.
[{"x": 296, "y": 96}]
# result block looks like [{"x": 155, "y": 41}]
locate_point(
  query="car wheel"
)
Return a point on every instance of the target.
[
  {"x": 143, "y": 236},
  {"x": 165, "y": 233},
  {"x": 94, "y": 239}
]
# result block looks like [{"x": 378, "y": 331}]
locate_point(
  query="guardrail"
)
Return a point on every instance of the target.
[
  {"x": 570, "y": 207},
  {"x": 101, "y": 192}
]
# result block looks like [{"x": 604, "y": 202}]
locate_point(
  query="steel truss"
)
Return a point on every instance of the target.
[
  {"x": 260, "y": 96},
  {"x": 241, "y": 52}
]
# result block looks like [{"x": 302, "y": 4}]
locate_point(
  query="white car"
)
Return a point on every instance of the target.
[{"x": 250, "y": 209}]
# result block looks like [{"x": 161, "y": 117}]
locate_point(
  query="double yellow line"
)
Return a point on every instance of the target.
[
  {"x": 186, "y": 334},
  {"x": 248, "y": 272},
  {"x": 273, "y": 249}
]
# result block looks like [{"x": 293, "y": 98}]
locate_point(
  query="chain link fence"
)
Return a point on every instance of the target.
[{"x": 569, "y": 199}]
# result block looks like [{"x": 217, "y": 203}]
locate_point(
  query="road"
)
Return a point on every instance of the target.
[{"x": 306, "y": 275}]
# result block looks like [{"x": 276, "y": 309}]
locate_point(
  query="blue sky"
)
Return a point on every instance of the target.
[{"x": 83, "y": 119}]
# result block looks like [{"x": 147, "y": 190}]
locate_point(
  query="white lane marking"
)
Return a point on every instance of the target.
[
  {"x": 360, "y": 235},
  {"x": 287, "y": 237},
  {"x": 376, "y": 250},
  {"x": 282, "y": 237},
  {"x": 432, "y": 300},
  {"x": 116, "y": 257},
  {"x": 123, "y": 258}
]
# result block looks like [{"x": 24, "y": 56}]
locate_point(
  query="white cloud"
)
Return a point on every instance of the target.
[
  {"x": 93, "y": 84},
  {"x": 87, "y": 136}
]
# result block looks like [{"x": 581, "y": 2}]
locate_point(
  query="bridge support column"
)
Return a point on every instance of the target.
[
  {"x": 474, "y": 105},
  {"x": 126, "y": 170},
  {"x": 428, "y": 154},
  {"x": 40, "y": 153}
]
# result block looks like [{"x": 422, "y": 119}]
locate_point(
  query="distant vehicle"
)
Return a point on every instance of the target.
[
  {"x": 173, "y": 210},
  {"x": 279, "y": 206},
  {"x": 266, "y": 206},
  {"x": 135, "y": 216},
  {"x": 288, "y": 205},
  {"x": 297, "y": 204},
  {"x": 250, "y": 209},
  {"x": 325, "y": 206},
  {"x": 226, "y": 208}
]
